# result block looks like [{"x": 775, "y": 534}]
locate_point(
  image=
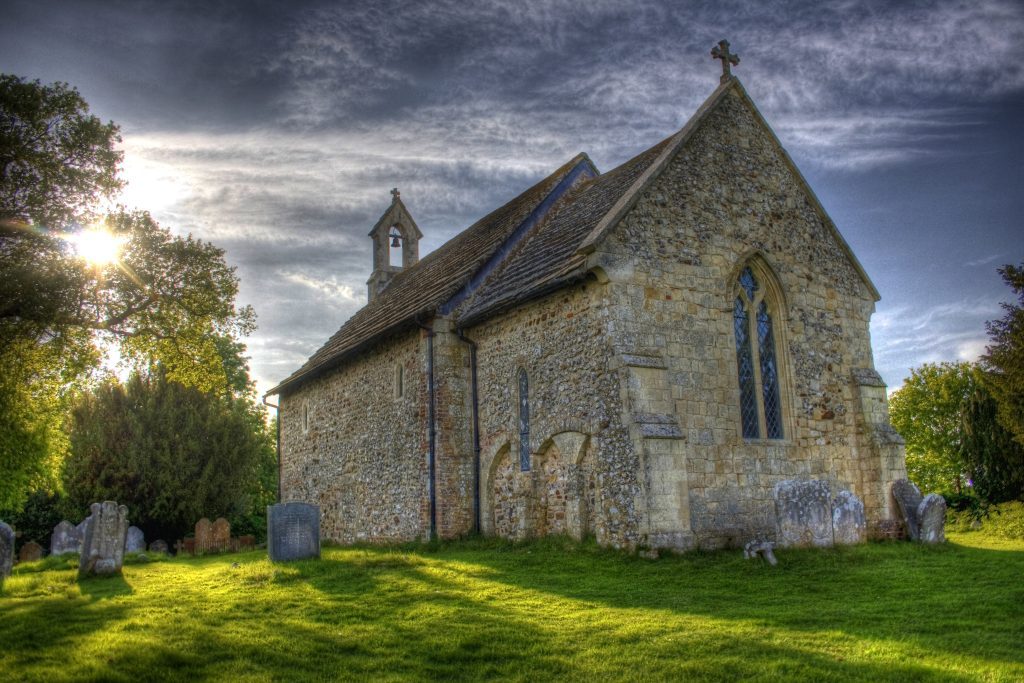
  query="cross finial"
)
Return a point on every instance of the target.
[
  {"x": 721, "y": 51},
  {"x": 395, "y": 193}
]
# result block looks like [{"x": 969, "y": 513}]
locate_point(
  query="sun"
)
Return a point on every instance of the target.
[{"x": 98, "y": 247}]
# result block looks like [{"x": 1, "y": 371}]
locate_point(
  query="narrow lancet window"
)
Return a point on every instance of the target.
[
  {"x": 760, "y": 402},
  {"x": 524, "y": 421}
]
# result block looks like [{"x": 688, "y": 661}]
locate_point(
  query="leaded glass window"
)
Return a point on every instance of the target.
[
  {"x": 524, "y": 421},
  {"x": 760, "y": 402}
]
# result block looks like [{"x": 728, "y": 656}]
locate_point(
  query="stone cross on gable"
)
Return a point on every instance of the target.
[
  {"x": 721, "y": 51},
  {"x": 395, "y": 193}
]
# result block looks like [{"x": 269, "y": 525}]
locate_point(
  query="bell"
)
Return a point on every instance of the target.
[{"x": 394, "y": 241}]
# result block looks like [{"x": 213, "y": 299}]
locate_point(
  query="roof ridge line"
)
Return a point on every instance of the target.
[
  {"x": 540, "y": 211},
  {"x": 629, "y": 198}
]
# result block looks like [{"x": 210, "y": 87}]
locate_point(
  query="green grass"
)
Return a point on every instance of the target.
[{"x": 479, "y": 609}]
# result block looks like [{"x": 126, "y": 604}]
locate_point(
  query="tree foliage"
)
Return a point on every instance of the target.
[
  {"x": 171, "y": 453},
  {"x": 993, "y": 459},
  {"x": 55, "y": 158},
  {"x": 167, "y": 301},
  {"x": 1005, "y": 356},
  {"x": 926, "y": 411}
]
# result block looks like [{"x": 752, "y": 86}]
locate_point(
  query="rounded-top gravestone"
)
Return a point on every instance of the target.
[
  {"x": 30, "y": 552},
  {"x": 931, "y": 515},
  {"x": 135, "y": 540},
  {"x": 65, "y": 539}
]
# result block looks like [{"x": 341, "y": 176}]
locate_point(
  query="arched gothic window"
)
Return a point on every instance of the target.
[
  {"x": 760, "y": 405},
  {"x": 524, "y": 421}
]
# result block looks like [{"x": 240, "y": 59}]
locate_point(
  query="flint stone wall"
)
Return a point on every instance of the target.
[
  {"x": 352, "y": 446},
  {"x": 729, "y": 197}
]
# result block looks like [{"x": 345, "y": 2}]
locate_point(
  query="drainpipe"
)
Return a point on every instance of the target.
[
  {"x": 432, "y": 431},
  {"x": 476, "y": 429},
  {"x": 277, "y": 443}
]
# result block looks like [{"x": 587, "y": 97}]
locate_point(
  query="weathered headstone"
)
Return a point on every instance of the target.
[
  {"x": 189, "y": 546},
  {"x": 848, "y": 523},
  {"x": 763, "y": 548},
  {"x": 159, "y": 546},
  {"x": 247, "y": 542},
  {"x": 6, "y": 550},
  {"x": 803, "y": 512},
  {"x": 30, "y": 552},
  {"x": 103, "y": 545},
  {"x": 135, "y": 540},
  {"x": 908, "y": 498},
  {"x": 204, "y": 536},
  {"x": 293, "y": 531},
  {"x": 931, "y": 515},
  {"x": 65, "y": 539},
  {"x": 220, "y": 536}
]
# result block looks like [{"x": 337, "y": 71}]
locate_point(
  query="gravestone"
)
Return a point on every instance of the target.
[
  {"x": 159, "y": 546},
  {"x": 6, "y": 550},
  {"x": 135, "y": 540},
  {"x": 65, "y": 539},
  {"x": 103, "y": 545},
  {"x": 931, "y": 515},
  {"x": 803, "y": 512},
  {"x": 204, "y": 536},
  {"x": 220, "y": 536},
  {"x": 908, "y": 498},
  {"x": 247, "y": 542},
  {"x": 849, "y": 525},
  {"x": 189, "y": 546},
  {"x": 30, "y": 552},
  {"x": 293, "y": 531},
  {"x": 762, "y": 548}
]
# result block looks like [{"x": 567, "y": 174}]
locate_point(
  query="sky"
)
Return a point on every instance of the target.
[{"x": 277, "y": 129}]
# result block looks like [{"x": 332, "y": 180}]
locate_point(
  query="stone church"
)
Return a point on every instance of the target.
[{"x": 639, "y": 355}]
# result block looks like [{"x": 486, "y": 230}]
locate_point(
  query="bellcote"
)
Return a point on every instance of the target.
[{"x": 395, "y": 228}]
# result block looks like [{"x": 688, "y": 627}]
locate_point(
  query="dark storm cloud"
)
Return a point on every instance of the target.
[{"x": 276, "y": 129}]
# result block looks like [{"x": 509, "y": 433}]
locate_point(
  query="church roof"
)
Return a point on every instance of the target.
[
  {"x": 532, "y": 245},
  {"x": 416, "y": 293}
]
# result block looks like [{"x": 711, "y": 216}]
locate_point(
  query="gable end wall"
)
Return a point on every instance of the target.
[{"x": 729, "y": 195}]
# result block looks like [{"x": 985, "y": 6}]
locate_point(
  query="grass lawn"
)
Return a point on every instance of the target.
[{"x": 473, "y": 610}]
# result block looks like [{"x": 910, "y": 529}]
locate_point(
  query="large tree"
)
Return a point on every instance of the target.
[
  {"x": 993, "y": 459},
  {"x": 926, "y": 411},
  {"x": 171, "y": 453},
  {"x": 1005, "y": 356},
  {"x": 73, "y": 286}
]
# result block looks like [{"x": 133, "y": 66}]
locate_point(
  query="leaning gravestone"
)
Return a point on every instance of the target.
[
  {"x": 65, "y": 539},
  {"x": 220, "y": 536},
  {"x": 293, "y": 531},
  {"x": 803, "y": 511},
  {"x": 135, "y": 540},
  {"x": 103, "y": 545},
  {"x": 908, "y": 498},
  {"x": 204, "y": 536},
  {"x": 6, "y": 550},
  {"x": 30, "y": 552},
  {"x": 931, "y": 515},
  {"x": 849, "y": 526}
]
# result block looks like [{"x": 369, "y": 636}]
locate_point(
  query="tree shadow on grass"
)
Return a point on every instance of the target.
[{"x": 410, "y": 619}]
